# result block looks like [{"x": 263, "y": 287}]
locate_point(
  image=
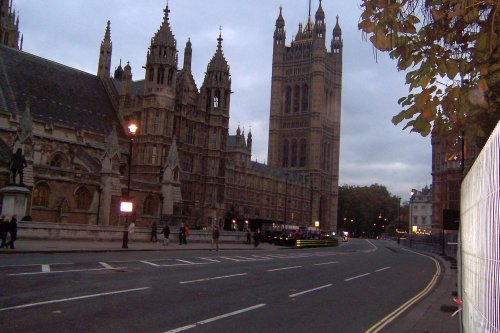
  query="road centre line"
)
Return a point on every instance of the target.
[
  {"x": 310, "y": 290},
  {"x": 71, "y": 299},
  {"x": 326, "y": 263},
  {"x": 213, "y": 278},
  {"x": 45, "y": 268},
  {"x": 282, "y": 269},
  {"x": 209, "y": 320},
  {"x": 68, "y": 271},
  {"x": 382, "y": 269},
  {"x": 356, "y": 277}
]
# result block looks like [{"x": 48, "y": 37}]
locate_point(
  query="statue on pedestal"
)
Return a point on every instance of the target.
[{"x": 17, "y": 165}]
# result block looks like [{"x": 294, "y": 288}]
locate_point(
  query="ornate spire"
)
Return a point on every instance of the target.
[
  {"x": 218, "y": 61},
  {"x": 280, "y": 21},
  {"x": 105, "y": 51},
  {"x": 107, "y": 34},
  {"x": 336, "y": 30},
  {"x": 320, "y": 14},
  {"x": 219, "y": 40},
  {"x": 164, "y": 34},
  {"x": 188, "y": 52}
]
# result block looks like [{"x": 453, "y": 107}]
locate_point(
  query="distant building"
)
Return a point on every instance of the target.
[
  {"x": 420, "y": 209},
  {"x": 185, "y": 166},
  {"x": 447, "y": 172}
]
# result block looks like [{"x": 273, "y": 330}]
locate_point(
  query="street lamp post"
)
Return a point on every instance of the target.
[
  {"x": 99, "y": 192},
  {"x": 286, "y": 199},
  {"x": 412, "y": 194},
  {"x": 126, "y": 205}
]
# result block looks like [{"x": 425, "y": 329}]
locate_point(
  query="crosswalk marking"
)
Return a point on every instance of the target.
[{"x": 185, "y": 261}]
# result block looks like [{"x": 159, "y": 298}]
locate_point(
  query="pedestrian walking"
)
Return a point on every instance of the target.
[
  {"x": 256, "y": 238},
  {"x": 215, "y": 238},
  {"x": 12, "y": 232},
  {"x": 183, "y": 233},
  {"x": 131, "y": 231},
  {"x": 153, "y": 232},
  {"x": 166, "y": 234},
  {"x": 249, "y": 236},
  {"x": 4, "y": 230}
]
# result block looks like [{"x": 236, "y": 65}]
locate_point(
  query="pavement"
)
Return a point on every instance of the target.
[
  {"x": 65, "y": 246},
  {"x": 432, "y": 314}
]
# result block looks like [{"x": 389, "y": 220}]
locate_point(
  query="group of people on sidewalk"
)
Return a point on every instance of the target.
[
  {"x": 8, "y": 228},
  {"x": 183, "y": 233}
]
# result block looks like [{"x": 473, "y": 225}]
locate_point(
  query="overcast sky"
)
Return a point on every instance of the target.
[{"x": 373, "y": 150}]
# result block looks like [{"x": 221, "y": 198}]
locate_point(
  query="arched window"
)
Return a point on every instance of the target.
[
  {"x": 294, "y": 153},
  {"x": 296, "y": 98},
  {"x": 288, "y": 99},
  {"x": 83, "y": 198},
  {"x": 209, "y": 99},
  {"x": 226, "y": 100},
  {"x": 328, "y": 157},
  {"x": 216, "y": 98},
  {"x": 305, "y": 98},
  {"x": 170, "y": 77},
  {"x": 285, "y": 153},
  {"x": 41, "y": 194},
  {"x": 154, "y": 155},
  {"x": 58, "y": 161},
  {"x": 149, "y": 207},
  {"x": 151, "y": 74},
  {"x": 156, "y": 123},
  {"x": 161, "y": 75},
  {"x": 303, "y": 153}
]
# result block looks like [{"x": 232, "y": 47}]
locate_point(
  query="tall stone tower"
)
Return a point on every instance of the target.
[
  {"x": 9, "y": 26},
  {"x": 304, "y": 127}
]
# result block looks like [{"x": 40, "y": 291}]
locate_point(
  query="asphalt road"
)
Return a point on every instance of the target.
[{"x": 343, "y": 289}]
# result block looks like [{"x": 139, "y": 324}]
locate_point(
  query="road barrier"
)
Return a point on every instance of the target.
[
  {"x": 301, "y": 243},
  {"x": 480, "y": 242}
]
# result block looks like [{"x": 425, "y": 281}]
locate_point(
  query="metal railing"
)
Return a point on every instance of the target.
[{"x": 480, "y": 241}]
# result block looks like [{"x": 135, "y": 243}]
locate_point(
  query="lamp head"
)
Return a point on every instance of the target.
[{"x": 132, "y": 128}]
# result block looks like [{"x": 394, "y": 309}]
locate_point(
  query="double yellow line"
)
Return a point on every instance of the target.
[{"x": 393, "y": 315}]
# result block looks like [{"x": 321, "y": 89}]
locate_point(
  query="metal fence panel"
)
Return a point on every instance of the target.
[{"x": 480, "y": 240}]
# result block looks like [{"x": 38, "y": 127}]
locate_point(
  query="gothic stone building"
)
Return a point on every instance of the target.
[{"x": 182, "y": 164}]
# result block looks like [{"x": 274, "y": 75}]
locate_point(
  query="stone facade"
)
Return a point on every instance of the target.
[
  {"x": 304, "y": 126},
  {"x": 182, "y": 164}
]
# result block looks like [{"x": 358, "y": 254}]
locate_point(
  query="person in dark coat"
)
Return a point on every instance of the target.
[
  {"x": 256, "y": 238},
  {"x": 166, "y": 234},
  {"x": 182, "y": 234},
  {"x": 215, "y": 238},
  {"x": 4, "y": 230},
  {"x": 12, "y": 232},
  {"x": 153, "y": 232}
]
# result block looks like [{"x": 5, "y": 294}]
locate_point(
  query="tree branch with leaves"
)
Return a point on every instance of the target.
[{"x": 450, "y": 50}]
